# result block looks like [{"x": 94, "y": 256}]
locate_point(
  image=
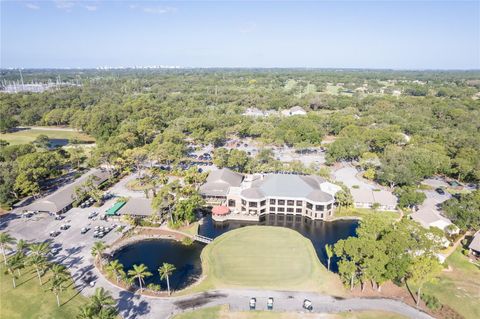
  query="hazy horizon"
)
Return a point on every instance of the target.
[{"x": 381, "y": 35}]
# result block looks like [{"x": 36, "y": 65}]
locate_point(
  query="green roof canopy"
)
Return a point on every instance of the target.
[{"x": 112, "y": 210}]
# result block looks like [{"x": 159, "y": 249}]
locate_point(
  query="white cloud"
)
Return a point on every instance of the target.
[
  {"x": 90, "y": 8},
  {"x": 64, "y": 5},
  {"x": 32, "y": 6},
  {"x": 153, "y": 10},
  {"x": 248, "y": 27}
]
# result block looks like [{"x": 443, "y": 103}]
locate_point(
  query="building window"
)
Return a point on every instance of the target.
[
  {"x": 290, "y": 202},
  {"x": 272, "y": 209},
  {"x": 329, "y": 206},
  {"x": 231, "y": 202},
  {"x": 263, "y": 202},
  {"x": 281, "y": 209},
  {"x": 309, "y": 206},
  {"x": 272, "y": 202},
  {"x": 299, "y": 203},
  {"x": 289, "y": 210},
  {"x": 315, "y": 215},
  {"x": 244, "y": 202},
  {"x": 262, "y": 211},
  {"x": 243, "y": 208},
  {"x": 321, "y": 215},
  {"x": 298, "y": 210},
  {"x": 281, "y": 202},
  {"x": 319, "y": 207},
  {"x": 252, "y": 204}
]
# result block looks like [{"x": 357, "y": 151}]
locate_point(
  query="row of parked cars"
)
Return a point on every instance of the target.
[
  {"x": 55, "y": 233},
  {"x": 307, "y": 304},
  {"x": 101, "y": 231}
]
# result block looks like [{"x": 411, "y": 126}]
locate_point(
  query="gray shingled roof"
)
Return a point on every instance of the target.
[
  {"x": 252, "y": 193},
  {"x": 475, "y": 244},
  {"x": 225, "y": 175},
  {"x": 65, "y": 196},
  {"x": 286, "y": 185},
  {"x": 319, "y": 196},
  {"x": 219, "y": 182},
  {"x": 137, "y": 207}
]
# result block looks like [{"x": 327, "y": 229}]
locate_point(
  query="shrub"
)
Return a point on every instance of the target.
[
  {"x": 466, "y": 252},
  {"x": 153, "y": 287},
  {"x": 432, "y": 302},
  {"x": 355, "y": 186},
  {"x": 187, "y": 241}
]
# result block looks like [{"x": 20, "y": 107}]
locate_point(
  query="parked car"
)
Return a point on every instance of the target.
[
  {"x": 59, "y": 217},
  {"x": 54, "y": 233},
  {"x": 65, "y": 227},
  {"x": 270, "y": 303},
  {"x": 92, "y": 214},
  {"x": 440, "y": 191},
  {"x": 307, "y": 304},
  {"x": 253, "y": 303},
  {"x": 84, "y": 230}
]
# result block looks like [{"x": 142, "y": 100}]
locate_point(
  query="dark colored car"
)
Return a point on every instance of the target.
[{"x": 440, "y": 191}]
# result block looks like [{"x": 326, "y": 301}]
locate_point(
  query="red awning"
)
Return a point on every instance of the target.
[{"x": 220, "y": 210}]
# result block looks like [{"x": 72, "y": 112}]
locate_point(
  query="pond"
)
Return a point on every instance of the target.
[
  {"x": 153, "y": 253},
  {"x": 319, "y": 232}
]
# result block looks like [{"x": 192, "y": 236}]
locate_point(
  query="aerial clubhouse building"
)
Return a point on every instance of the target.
[{"x": 239, "y": 195}]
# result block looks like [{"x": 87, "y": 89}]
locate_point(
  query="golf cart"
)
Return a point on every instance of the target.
[
  {"x": 270, "y": 303},
  {"x": 307, "y": 304},
  {"x": 253, "y": 303}
]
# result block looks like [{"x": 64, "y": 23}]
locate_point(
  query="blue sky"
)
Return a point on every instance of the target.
[{"x": 343, "y": 34}]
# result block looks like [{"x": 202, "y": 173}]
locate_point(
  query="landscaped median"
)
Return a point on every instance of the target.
[{"x": 264, "y": 257}]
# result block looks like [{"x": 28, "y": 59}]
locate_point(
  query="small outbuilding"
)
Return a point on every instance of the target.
[{"x": 474, "y": 246}]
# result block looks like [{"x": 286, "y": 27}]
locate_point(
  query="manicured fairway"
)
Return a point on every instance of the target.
[
  {"x": 223, "y": 313},
  {"x": 30, "y": 300},
  {"x": 459, "y": 288},
  {"x": 266, "y": 257},
  {"x": 28, "y": 135}
]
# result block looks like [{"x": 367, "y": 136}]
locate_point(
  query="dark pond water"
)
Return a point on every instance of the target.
[
  {"x": 319, "y": 232},
  {"x": 153, "y": 253}
]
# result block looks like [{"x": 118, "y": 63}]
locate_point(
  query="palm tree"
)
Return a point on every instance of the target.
[
  {"x": 86, "y": 312},
  {"x": 59, "y": 271},
  {"x": 58, "y": 285},
  {"x": 139, "y": 272},
  {"x": 40, "y": 249},
  {"x": 22, "y": 246},
  {"x": 12, "y": 264},
  {"x": 101, "y": 298},
  {"x": 97, "y": 251},
  {"x": 5, "y": 241},
  {"x": 165, "y": 272},
  {"x": 39, "y": 262},
  {"x": 329, "y": 251},
  {"x": 116, "y": 268}
]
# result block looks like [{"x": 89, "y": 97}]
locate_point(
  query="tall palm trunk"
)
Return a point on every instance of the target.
[
  {"x": 14, "y": 283},
  {"x": 351, "y": 282},
  {"x": 168, "y": 286},
  {"x": 4, "y": 255},
  {"x": 140, "y": 283},
  {"x": 38, "y": 274},
  {"x": 328, "y": 264}
]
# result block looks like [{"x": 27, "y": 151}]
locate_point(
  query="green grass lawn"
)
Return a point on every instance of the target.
[
  {"x": 30, "y": 300},
  {"x": 459, "y": 288},
  {"x": 265, "y": 257},
  {"x": 363, "y": 212},
  {"x": 223, "y": 313},
  {"x": 27, "y": 136}
]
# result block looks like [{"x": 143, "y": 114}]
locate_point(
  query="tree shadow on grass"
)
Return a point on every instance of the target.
[
  {"x": 33, "y": 276},
  {"x": 131, "y": 306}
]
